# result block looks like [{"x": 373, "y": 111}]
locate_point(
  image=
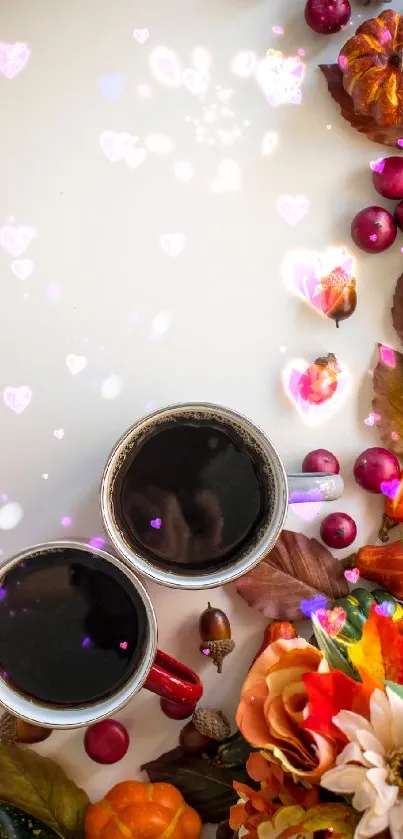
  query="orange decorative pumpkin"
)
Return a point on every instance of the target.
[
  {"x": 131, "y": 810},
  {"x": 371, "y": 63}
]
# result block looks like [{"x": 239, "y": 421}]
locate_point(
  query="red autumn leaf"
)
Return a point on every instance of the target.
[
  {"x": 387, "y": 402},
  {"x": 387, "y": 135},
  {"x": 378, "y": 656},
  {"x": 328, "y": 694},
  {"x": 293, "y": 577}
]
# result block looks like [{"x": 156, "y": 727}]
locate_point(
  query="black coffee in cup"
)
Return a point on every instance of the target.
[
  {"x": 191, "y": 492},
  {"x": 72, "y": 627}
]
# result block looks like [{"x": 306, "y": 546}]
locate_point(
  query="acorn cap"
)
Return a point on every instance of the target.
[
  {"x": 211, "y": 723},
  {"x": 217, "y": 650}
]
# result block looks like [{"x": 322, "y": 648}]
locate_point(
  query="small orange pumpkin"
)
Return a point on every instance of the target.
[
  {"x": 150, "y": 811},
  {"x": 371, "y": 63}
]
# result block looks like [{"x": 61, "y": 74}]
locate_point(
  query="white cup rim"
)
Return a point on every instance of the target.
[
  {"x": 199, "y": 579},
  {"x": 51, "y": 716}
]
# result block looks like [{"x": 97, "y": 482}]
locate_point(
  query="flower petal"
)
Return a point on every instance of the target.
[
  {"x": 396, "y": 706},
  {"x": 371, "y": 824},
  {"x": 350, "y": 754},
  {"x": 386, "y": 793},
  {"x": 381, "y": 718},
  {"x": 364, "y": 797},
  {"x": 369, "y": 742},
  {"x": 373, "y": 759},
  {"x": 250, "y": 717},
  {"x": 344, "y": 779},
  {"x": 349, "y": 723},
  {"x": 396, "y": 821}
]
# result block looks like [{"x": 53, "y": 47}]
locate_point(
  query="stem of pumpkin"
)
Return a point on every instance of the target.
[{"x": 396, "y": 59}]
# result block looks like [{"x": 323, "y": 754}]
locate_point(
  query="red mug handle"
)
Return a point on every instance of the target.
[{"x": 173, "y": 680}]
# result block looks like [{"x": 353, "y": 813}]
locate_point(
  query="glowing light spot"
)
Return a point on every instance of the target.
[
  {"x": 76, "y": 363},
  {"x": 373, "y": 237},
  {"x": 390, "y": 488},
  {"x": 292, "y": 208},
  {"x": 160, "y": 325},
  {"x": 53, "y": 291},
  {"x": 387, "y": 355},
  {"x": 394, "y": 436},
  {"x": 10, "y": 515},
  {"x": 244, "y": 64},
  {"x": 301, "y": 52},
  {"x": 111, "y": 387},
  {"x": 377, "y": 165},
  {"x": 16, "y": 238},
  {"x": 183, "y": 171},
  {"x": 206, "y": 651},
  {"x": 306, "y": 510},
  {"x": 386, "y": 609},
  {"x": 283, "y": 348},
  {"x": 112, "y": 85},
  {"x": 22, "y": 268},
  {"x": 280, "y": 79},
  {"x": 196, "y": 82},
  {"x": 400, "y": 143},
  {"x": 97, "y": 542},
  {"x": 318, "y": 278},
  {"x": 331, "y": 620},
  {"x": 269, "y": 143},
  {"x": 123, "y": 645},
  {"x": 3, "y": 594},
  {"x": 159, "y": 143},
  {"x": 277, "y": 30},
  {"x": 165, "y": 67},
  {"x": 144, "y": 90},
  {"x": 314, "y": 414},
  {"x": 45, "y": 476},
  {"x": 17, "y": 398},
  {"x": 309, "y": 607},
  {"x": 86, "y": 642},
  {"x": 122, "y": 146},
  {"x": 352, "y": 575},
  {"x": 201, "y": 59},
  {"x": 328, "y": 126},
  {"x": 372, "y": 418},
  {"x": 13, "y": 58},
  {"x": 58, "y": 433},
  {"x": 141, "y": 35},
  {"x": 66, "y": 521},
  {"x": 156, "y": 523},
  {"x": 173, "y": 243},
  {"x": 228, "y": 178}
]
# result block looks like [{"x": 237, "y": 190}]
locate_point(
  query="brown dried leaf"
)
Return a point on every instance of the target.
[
  {"x": 397, "y": 308},
  {"x": 387, "y": 135},
  {"x": 388, "y": 401},
  {"x": 293, "y": 577}
]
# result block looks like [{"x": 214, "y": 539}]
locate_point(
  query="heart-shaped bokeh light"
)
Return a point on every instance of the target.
[
  {"x": 313, "y": 413},
  {"x": 318, "y": 278}
]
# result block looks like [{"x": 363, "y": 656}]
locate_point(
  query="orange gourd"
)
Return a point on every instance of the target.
[
  {"x": 371, "y": 63},
  {"x": 133, "y": 810},
  {"x": 382, "y": 564}
]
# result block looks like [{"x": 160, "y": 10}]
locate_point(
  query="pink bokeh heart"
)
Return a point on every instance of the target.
[
  {"x": 13, "y": 58},
  {"x": 314, "y": 414},
  {"x": 304, "y": 272}
]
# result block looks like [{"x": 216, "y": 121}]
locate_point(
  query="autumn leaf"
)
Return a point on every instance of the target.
[
  {"x": 387, "y": 402},
  {"x": 340, "y": 818},
  {"x": 387, "y": 135},
  {"x": 378, "y": 656},
  {"x": 397, "y": 308},
  {"x": 297, "y": 575}
]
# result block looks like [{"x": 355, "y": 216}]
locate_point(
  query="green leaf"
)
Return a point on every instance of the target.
[
  {"x": 41, "y": 788},
  {"x": 335, "y": 659},
  {"x": 396, "y": 688},
  {"x": 205, "y": 787},
  {"x": 234, "y": 751}
]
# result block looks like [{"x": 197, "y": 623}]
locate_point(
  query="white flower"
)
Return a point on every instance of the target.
[{"x": 370, "y": 767}]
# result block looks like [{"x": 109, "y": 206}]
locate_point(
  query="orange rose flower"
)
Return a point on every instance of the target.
[{"x": 274, "y": 704}]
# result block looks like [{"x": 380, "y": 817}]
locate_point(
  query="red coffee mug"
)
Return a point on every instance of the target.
[{"x": 154, "y": 669}]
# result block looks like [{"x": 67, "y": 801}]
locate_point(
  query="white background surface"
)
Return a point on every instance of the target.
[{"x": 213, "y": 323}]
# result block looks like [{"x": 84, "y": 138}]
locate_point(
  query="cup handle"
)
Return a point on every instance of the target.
[
  {"x": 173, "y": 680},
  {"x": 314, "y": 486}
]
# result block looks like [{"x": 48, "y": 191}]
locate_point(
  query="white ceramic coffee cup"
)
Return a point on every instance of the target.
[{"x": 293, "y": 488}]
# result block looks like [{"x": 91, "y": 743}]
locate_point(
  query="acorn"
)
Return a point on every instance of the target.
[
  {"x": 215, "y": 632},
  {"x": 15, "y": 730},
  {"x": 205, "y": 727},
  {"x": 338, "y": 295}
]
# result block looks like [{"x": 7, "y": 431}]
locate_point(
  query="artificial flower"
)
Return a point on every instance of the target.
[
  {"x": 296, "y": 821},
  {"x": 370, "y": 767},
  {"x": 329, "y": 693},
  {"x": 272, "y": 707},
  {"x": 378, "y": 656}
]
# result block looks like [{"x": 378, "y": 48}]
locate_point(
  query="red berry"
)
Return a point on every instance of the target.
[
  {"x": 106, "y": 741},
  {"x": 327, "y": 16},
  {"x": 373, "y": 229},
  {"x": 387, "y": 177},
  {"x": 374, "y": 467},
  {"x": 320, "y": 460},
  {"x": 338, "y": 530},
  {"x": 177, "y": 710},
  {"x": 398, "y": 215}
]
